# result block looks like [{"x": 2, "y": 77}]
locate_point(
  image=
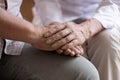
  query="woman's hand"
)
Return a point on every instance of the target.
[{"x": 65, "y": 38}]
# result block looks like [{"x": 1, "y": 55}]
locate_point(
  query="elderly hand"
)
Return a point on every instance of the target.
[
  {"x": 65, "y": 33},
  {"x": 65, "y": 36},
  {"x": 39, "y": 40},
  {"x": 68, "y": 35},
  {"x": 73, "y": 51}
]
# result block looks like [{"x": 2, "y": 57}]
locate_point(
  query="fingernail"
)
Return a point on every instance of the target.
[
  {"x": 60, "y": 51},
  {"x": 72, "y": 53}
]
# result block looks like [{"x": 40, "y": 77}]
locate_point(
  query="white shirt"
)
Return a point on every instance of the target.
[
  {"x": 12, "y": 47},
  {"x": 47, "y": 11}
]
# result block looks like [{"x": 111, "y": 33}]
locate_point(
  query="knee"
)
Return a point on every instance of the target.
[
  {"x": 86, "y": 71},
  {"x": 93, "y": 75},
  {"x": 106, "y": 43},
  {"x": 108, "y": 37}
]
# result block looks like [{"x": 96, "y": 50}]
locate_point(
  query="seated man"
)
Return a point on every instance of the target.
[
  {"x": 92, "y": 32},
  {"x": 95, "y": 26},
  {"x": 34, "y": 64}
]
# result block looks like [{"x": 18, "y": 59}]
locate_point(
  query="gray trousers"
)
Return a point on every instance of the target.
[
  {"x": 34, "y": 64},
  {"x": 103, "y": 51}
]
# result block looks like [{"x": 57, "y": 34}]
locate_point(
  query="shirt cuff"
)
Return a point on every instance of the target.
[{"x": 109, "y": 16}]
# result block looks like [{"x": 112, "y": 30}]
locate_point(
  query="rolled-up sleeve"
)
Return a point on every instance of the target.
[{"x": 108, "y": 14}]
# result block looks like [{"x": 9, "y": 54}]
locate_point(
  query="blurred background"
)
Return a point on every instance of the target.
[{"x": 26, "y": 8}]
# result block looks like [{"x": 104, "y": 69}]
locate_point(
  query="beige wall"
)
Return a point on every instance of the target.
[{"x": 26, "y": 9}]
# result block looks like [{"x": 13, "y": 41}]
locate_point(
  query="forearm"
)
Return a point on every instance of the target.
[
  {"x": 90, "y": 28},
  {"x": 15, "y": 28}
]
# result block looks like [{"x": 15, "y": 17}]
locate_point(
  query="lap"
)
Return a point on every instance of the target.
[
  {"x": 105, "y": 43},
  {"x": 34, "y": 64}
]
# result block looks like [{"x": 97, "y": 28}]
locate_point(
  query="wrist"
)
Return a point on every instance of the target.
[
  {"x": 36, "y": 34},
  {"x": 31, "y": 35},
  {"x": 95, "y": 27},
  {"x": 90, "y": 28}
]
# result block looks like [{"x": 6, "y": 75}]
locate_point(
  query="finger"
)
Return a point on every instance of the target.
[
  {"x": 81, "y": 49},
  {"x": 76, "y": 50},
  {"x": 58, "y": 36},
  {"x": 63, "y": 41},
  {"x": 59, "y": 51},
  {"x": 67, "y": 52},
  {"x": 53, "y": 29},
  {"x": 72, "y": 53},
  {"x": 74, "y": 42}
]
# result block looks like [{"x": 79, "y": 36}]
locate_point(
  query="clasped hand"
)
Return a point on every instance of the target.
[{"x": 65, "y": 38}]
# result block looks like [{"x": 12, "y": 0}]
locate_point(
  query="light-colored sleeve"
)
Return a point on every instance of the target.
[
  {"x": 48, "y": 11},
  {"x": 108, "y": 14}
]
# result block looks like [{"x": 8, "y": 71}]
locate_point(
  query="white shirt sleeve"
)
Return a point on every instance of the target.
[
  {"x": 108, "y": 14},
  {"x": 48, "y": 11}
]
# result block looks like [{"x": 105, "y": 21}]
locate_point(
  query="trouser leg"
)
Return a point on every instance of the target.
[
  {"x": 2, "y": 44},
  {"x": 104, "y": 53},
  {"x": 33, "y": 64}
]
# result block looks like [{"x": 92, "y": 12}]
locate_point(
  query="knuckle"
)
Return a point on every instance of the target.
[
  {"x": 59, "y": 44},
  {"x": 65, "y": 32},
  {"x": 49, "y": 41},
  {"x": 76, "y": 42},
  {"x": 73, "y": 36},
  {"x": 70, "y": 37},
  {"x": 59, "y": 51},
  {"x": 57, "y": 27},
  {"x": 67, "y": 39},
  {"x": 54, "y": 30},
  {"x": 62, "y": 42},
  {"x": 64, "y": 47},
  {"x": 61, "y": 33},
  {"x": 56, "y": 36},
  {"x": 55, "y": 46},
  {"x": 53, "y": 38},
  {"x": 71, "y": 30},
  {"x": 51, "y": 32},
  {"x": 68, "y": 27},
  {"x": 61, "y": 26},
  {"x": 68, "y": 30},
  {"x": 70, "y": 44}
]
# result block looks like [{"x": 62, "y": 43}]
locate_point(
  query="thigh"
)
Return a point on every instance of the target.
[
  {"x": 34, "y": 64},
  {"x": 104, "y": 43},
  {"x": 104, "y": 53}
]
